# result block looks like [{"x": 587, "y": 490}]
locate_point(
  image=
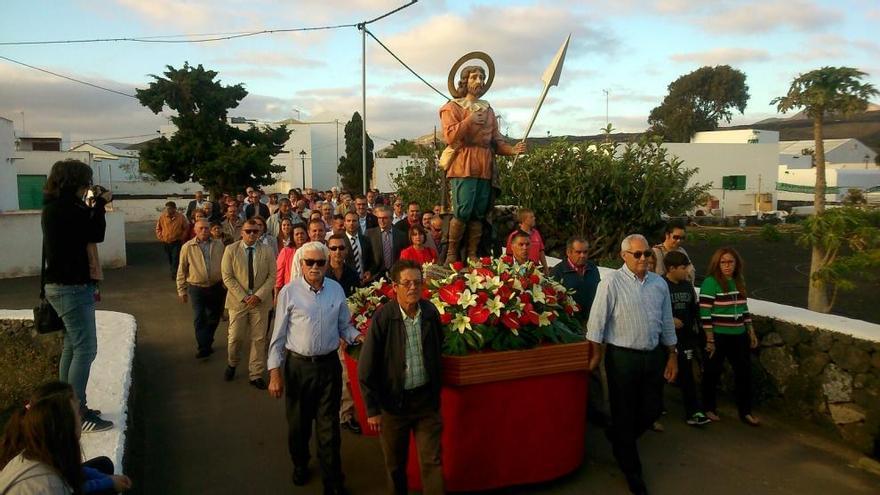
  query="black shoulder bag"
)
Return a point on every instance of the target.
[{"x": 46, "y": 319}]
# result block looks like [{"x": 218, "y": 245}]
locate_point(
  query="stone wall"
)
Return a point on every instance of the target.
[
  {"x": 829, "y": 377},
  {"x": 27, "y": 360}
]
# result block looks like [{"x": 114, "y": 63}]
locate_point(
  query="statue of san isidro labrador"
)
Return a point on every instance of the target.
[{"x": 471, "y": 133}]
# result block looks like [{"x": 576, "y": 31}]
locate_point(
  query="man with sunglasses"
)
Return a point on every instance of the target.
[
  {"x": 248, "y": 269},
  {"x": 675, "y": 235},
  {"x": 399, "y": 372},
  {"x": 632, "y": 316},
  {"x": 311, "y": 317}
]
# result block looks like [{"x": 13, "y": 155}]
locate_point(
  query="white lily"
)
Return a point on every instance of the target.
[
  {"x": 495, "y": 306},
  {"x": 544, "y": 319},
  {"x": 538, "y": 294},
  {"x": 474, "y": 281},
  {"x": 493, "y": 283},
  {"x": 467, "y": 299},
  {"x": 461, "y": 323}
]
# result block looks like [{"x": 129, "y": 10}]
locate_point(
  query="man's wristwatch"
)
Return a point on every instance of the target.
[{"x": 672, "y": 350}]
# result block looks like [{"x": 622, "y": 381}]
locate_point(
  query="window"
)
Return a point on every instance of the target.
[{"x": 733, "y": 182}]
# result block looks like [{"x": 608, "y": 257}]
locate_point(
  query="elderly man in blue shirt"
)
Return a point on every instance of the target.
[
  {"x": 632, "y": 316},
  {"x": 311, "y": 317}
]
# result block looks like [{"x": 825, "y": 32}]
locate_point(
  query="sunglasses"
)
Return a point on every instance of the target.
[
  {"x": 638, "y": 254},
  {"x": 251, "y": 231},
  {"x": 309, "y": 262},
  {"x": 410, "y": 283},
  {"x": 336, "y": 248}
]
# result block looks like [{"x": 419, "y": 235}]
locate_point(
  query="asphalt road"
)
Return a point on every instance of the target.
[{"x": 191, "y": 432}]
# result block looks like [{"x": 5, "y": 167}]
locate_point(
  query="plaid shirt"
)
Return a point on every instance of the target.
[{"x": 414, "y": 375}]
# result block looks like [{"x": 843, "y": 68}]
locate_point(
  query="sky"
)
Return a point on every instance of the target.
[{"x": 631, "y": 48}]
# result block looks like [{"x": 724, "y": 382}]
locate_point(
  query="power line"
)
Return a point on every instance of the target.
[
  {"x": 112, "y": 138},
  {"x": 404, "y": 64},
  {"x": 67, "y": 77},
  {"x": 169, "y": 38}
]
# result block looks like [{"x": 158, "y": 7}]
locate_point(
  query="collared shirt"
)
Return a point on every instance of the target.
[
  {"x": 632, "y": 313},
  {"x": 583, "y": 283},
  {"x": 206, "y": 250},
  {"x": 414, "y": 374},
  {"x": 309, "y": 323},
  {"x": 362, "y": 222}
]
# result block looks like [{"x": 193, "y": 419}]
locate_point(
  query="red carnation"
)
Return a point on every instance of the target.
[
  {"x": 485, "y": 260},
  {"x": 482, "y": 297},
  {"x": 458, "y": 266},
  {"x": 426, "y": 294},
  {"x": 504, "y": 292},
  {"x": 526, "y": 298},
  {"x": 387, "y": 290},
  {"x": 505, "y": 277},
  {"x": 446, "y": 318},
  {"x": 507, "y": 259},
  {"x": 534, "y": 278},
  {"x": 510, "y": 320},
  {"x": 548, "y": 290},
  {"x": 478, "y": 314},
  {"x": 484, "y": 272}
]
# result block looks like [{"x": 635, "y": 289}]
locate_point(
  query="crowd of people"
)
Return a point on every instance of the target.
[{"x": 280, "y": 270}]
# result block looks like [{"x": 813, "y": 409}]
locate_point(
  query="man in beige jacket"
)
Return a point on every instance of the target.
[
  {"x": 200, "y": 281},
  {"x": 172, "y": 229},
  {"x": 249, "y": 275}
]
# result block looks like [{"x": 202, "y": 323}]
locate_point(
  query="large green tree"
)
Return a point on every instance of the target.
[
  {"x": 698, "y": 101},
  {"x": 205, "y": 148},
  {"x": 350, "y": 167},
  {"x": 823, "y": 92}
]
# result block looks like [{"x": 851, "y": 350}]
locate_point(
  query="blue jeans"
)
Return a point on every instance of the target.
[{"x": 75, "y": 304}]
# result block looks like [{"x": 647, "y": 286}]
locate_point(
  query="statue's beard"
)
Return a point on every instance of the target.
[{"x": 476, "y": 90}]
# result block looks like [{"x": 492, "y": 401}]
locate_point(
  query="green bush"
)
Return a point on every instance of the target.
[{"x": 770, "y": 233}]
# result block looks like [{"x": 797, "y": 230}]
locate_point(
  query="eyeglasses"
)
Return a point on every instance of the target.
[
  {"x": 310, "y": 262},
  {"x": 638, "y": 254},
  {"x": 251, "y": 231},
  {"x": 410, "y": 283},
  {"x": 678, "y": 237},
  {"x": 336, "y": 248}
]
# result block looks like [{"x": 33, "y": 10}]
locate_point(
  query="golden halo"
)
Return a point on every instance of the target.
[{"x": 451, "y": 82}]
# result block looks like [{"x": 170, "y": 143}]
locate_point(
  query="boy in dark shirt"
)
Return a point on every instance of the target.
[{"x": 686, "y": 315}]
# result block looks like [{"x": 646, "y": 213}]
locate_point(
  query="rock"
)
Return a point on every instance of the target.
[
  {"x": 844, "y": 414},
  {"x": 859, "y": 436},
  {"x": 869, "y": 465},
  {"x": 875, "y": 360},
  {"x": 779, "y": 364},
  {"x": 859, "y": 381},
  {"x": 850, "y": 357},
  {"x": 824, "y": 340},
  {"x": 791, "y": 333},
  {"x": 762, "y": 325},
  {"x": 836, "y": 384},
  {"x": 772, "y": 339},
  {"x": 814, "y": 364}
]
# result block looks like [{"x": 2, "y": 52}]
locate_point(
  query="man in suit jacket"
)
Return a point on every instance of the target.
[
  {"x": 399, "y": 373},
  {"x": 366, "y": 220},
  {"x": 385, "y": 241},
  {"x": 256, "y": 206},
  {"x": 359, "y": 249},
  {"x": 200, "y": 281},
  {"x": 249, "y": 275},
  {"x": 413, "y": 218},
  {"x": 199, "y": 202}
]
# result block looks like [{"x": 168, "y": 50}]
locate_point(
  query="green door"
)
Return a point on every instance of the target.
[{"x": 30, "y": 191}]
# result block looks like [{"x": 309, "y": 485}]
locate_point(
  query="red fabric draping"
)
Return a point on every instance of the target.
[{"x": 359, "y": 408}]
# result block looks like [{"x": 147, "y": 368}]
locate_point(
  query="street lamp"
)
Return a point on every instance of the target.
[{"x": 302, "y": 154}]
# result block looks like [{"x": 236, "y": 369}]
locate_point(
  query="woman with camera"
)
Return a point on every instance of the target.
[{"x": 69, "y": 225}]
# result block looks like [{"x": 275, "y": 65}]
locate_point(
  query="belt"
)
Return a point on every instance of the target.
[
  {"x": 314, "y": 359},
  {"x": 632, "y": 351},
  {"x": 417, "y": 390}
]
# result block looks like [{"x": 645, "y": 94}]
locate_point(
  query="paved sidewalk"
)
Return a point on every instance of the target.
[{"x": 191, "y": 432}]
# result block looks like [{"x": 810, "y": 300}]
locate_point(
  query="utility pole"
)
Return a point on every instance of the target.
[
  {"x": 337, "y": 150},
  {"x": 363, "y": 29},
  {"x": 607, "y": 92}
]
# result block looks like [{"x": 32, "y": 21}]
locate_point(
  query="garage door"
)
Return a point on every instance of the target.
[{"x": 30, "y": 191}]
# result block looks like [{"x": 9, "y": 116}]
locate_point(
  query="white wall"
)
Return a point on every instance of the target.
[
  {"x": 8, "y": 181},
  {"x": 142, "y": 210},
  {"x": 21, "y": 252},
  {"x": 736, "y": 136},
  {"x": 40, "y": 162},
  {"x": 382, "y": 170},
  {"x": 834, "y": 177},
  {"x": 758, "y": 162}
]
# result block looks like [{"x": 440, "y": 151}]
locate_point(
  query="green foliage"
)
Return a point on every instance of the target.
[
  {"x": 404, "y": 147},
  {"x": 205, "y": 148},
  {"x": 602, "y": 192},
  {"x": 850, "y": 238},
  {"x": 829, "y": 90},
  {"x": 855, "y": 197},
  {"x": 698, "y": 101},
  {"x": 770, "y": 233},
  {"x": 421, "y": 180},
  {"x": 351, "y": 167}
]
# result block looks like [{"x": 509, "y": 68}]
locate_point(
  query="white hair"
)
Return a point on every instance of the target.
[
  {"x": 626, "y": 243},
  {"x": 296, "y": 264}
]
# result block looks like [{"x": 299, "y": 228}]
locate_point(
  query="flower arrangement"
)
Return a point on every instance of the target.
[{"x": 488, "y": 303}]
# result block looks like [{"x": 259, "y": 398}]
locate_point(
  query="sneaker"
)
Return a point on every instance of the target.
[
  {"x": 92, "y": 423},
  {"x": 698, "y": 419},
  {"x": 713, "y": 416},
  {"x": 259, "y": 383},
  {"x": 203, "y": 353}
]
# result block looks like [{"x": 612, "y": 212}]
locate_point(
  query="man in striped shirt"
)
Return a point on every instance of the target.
[{"x": 632, "y": 316}]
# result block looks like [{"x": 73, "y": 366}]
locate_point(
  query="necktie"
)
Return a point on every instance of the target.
[
  {"x": 356, "y": 253},
  {"x": 386, "y": 248},
  {"x": 250, "y": 251}
]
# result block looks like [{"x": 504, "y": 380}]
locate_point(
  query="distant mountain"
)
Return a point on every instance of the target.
[{"x": 864, "y": 126}]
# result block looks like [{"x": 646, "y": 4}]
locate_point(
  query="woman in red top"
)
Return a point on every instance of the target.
[
  {"x": 418, "y": 252},
  {"x": 285, "y": 256}
]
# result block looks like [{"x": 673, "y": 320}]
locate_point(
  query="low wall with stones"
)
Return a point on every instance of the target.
[
  {"x": 27, "y": 360},
  {"x": 827, "y": 376}
]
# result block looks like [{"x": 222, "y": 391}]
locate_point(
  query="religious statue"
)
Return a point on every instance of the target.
[{"x": 473, "y": 139}]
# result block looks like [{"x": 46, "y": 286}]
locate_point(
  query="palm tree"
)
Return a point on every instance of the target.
[{"x": 823, "y": 92}]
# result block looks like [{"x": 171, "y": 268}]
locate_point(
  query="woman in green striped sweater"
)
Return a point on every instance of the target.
[{"x": 729, "y": 333}]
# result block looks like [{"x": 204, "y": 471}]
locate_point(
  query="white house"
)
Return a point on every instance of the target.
[
  {"x": 849, "y": 153},
  {"x": 384, "y": 167},
  {"x": 8, "y": 181},
  {"x": 736, "y": 136}
]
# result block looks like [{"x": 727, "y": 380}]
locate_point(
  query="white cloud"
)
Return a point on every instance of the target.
[
  {"x": 768, "y": 15},
  {"x": 720, "y": 56},
  {"x": 269, "y": 59}
]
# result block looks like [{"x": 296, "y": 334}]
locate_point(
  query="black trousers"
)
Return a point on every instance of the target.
[
  {"x": 687, "y": 358},
  {"x": 419, "y": 418},
  {"x": 207, "y": 305},
  {"x": 734, "y": 348},
  {"x": 172, "y": 252},
  {"x": 635, "y": 389},
  {"x": 313, "y": 392},
  {"x": 104, "y": 465}
]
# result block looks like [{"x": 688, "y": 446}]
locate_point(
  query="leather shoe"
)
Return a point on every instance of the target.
[
  {"x": 203, "y": 353},
  {"x": 352, "y": 425},
  {"x": 229, "y": 374},
  {"x": 259, "y": 383},
  {"x": 301, "y": 475}
]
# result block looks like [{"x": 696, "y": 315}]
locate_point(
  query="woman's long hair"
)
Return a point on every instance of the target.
[
  {"x": 67, "y": 177},
  {"x": 45, "y": 430},
  {"x": 715, "y": 269}
]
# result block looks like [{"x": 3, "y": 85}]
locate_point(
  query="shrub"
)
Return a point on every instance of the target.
[{"x": 770, "y": 233}]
